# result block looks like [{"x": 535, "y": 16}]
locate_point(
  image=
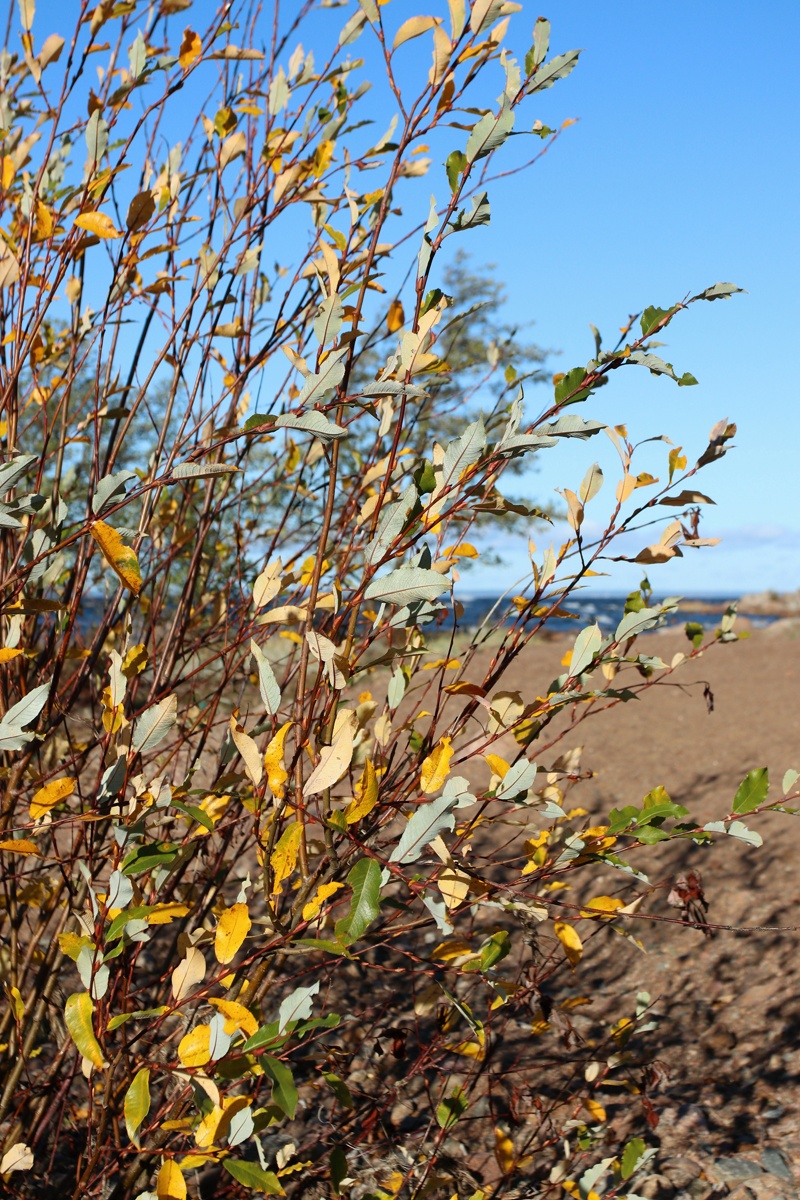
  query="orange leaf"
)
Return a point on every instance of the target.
[{"x": 191, "y": 48}]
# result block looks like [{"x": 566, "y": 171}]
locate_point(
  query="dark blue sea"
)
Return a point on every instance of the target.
[{"x": 607, "y": 611}]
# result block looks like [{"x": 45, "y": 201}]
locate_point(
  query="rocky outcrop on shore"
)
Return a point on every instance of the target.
[{"x": 771, "y": 604}]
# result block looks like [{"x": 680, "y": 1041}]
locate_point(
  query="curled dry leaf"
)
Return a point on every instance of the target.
[
  {"x": 189, "y": 972},
  {"x": 18, "y": 1157}
]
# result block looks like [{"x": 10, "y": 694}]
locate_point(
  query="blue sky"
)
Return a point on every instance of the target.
[{"x": 681, "y": 171}]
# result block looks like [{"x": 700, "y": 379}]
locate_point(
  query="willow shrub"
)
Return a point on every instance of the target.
[{"x": 283, "y": 903}]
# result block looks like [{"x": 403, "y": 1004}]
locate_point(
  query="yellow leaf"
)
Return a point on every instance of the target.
[
  {"x": 191, "y": 48},
  {"x": 51, "y": 794},
  {"x": 8, "y": 653},
  {"x": 454, "y": 885},
  {"x": 463, "y": 688},
  {"x": 595, "y": 1109},
  {"x": 450, "y": 951},
  {"x": 273, "y": 761},
  {"x": 366, "y": 795},
  {"x": 436, "y": 766},
  {"x": 135, "y": 661},
  {"x": 19, "y": 846},
  {"x": 170, "y": 1184},
  {"x": 396, "y": 317},
  {"x": 322, "y": 157},
  {"x": 499, "y": 765},
  {"x": 120, "y": 558},
  {"x": 189, "y": 972},
  {"x": 412, "y": 28},
  {"x": 249, "y": 752},
  {"x": 18, "y": 1157},
  {"x": 233, "y": 928},
  {"x": 136, "y": 1105},
  {"x": 194, "y": 1048},
  {"x": 17, "y": 1004},
  {"x": 231, "y": 329},
  {"x": 216, "y": 1124},
  {"x": 8, "y": 171},
  {"x": 72, "y": 943},
  {"x": 206, "y": 1132},
  {"x": 44, "y": 221},
  {"x": 333, "y": 760},
  {"x": 231, "y": 148},
  {"x": 78, "y": 1016},
  {"x": 504, "y": 1151},
  {"x": 607, "y": 905},
  {"x": 323, "y": 893},
  {"x": 283, "y": 859},
  {"x": 268, "y": 584},
  {"x": 99, "y": 224},
  {"x": 470, "y": 1049},
  {"x": 568, "y": 936},
  {"x": 162, "y": 914},
  {"x": 236, "y": 1015}
]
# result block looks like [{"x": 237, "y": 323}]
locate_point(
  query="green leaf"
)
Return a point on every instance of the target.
[
  {"x": 96, "y": 136},
  {"x": 495, "y": 949},
  {"x": 571, "y": 383},
  {"x": 630, "y": 1157},
  {"x": 252, "y": 1176},
  {"x": 137, "y": 1104},
  {"x": 463, "y": 452},
  {"x": 338, "y": 1168},
  {"x": 339, "y": 1088},
  {"x": 739, "y": 830},
  {"x": 652, "y": 316},
  {"x": 365, "y": 880},
  {"x": 694, "y": 632},
  {"x": 622, "y": 818},
  {"x": 455, "y": 164},
  {"x": 313, "y": 422},
  {"x": 423, "y": 826},
  {"x": 558, "y": 68},
  {"x": 516, "y": 781},
  {"x": 587, "y": 646},
  {"x": 451, "y": 1108},
  {"x": 144, "y": 858},
  {"x": 752, "y": 791},
  {"x": 154, "y": 724},
  {"x": 328, "y": 320},
  {"x": 541, "y": 44},
  {"x": 193, "y": 470},
  {"x": 718, "y": 291},
  {"x": 479, "y": 214},
  {"x": 267, "y": 683},
  {"x": 490, "y": 133},
  {"x": 634, "y": 623},
  {"x": 407, "y": 584},
  {"x": 284, "y": 1092},
  {"x": 78, "y": 1018},
  {"x": 143, "y": 1015},
  {"x": 392, "y": 521},
  {"x": 425, "y": 478}
]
